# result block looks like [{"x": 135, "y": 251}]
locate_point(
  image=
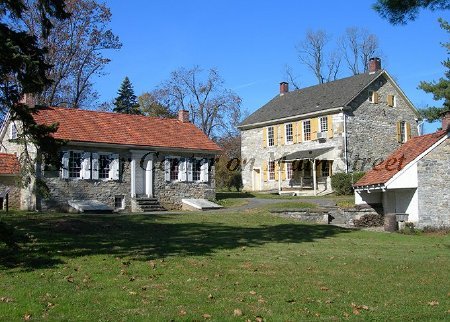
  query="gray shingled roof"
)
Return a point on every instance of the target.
[{"x": 312, "y": 99}]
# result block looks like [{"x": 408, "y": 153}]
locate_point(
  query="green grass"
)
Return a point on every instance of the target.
[
  {"x": 289, "y": 205},
  {"x": 181, "y": 267}
]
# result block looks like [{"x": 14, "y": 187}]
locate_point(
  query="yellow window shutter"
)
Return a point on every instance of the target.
[
  {"x": 282, "y": 133},
  {"x": 319, "y": 167},
  {"x": 277, "y": 168},
  {"x": 283, "y": 171},
  {"x": 408, "y": 131},
  {"x": 314, "y": 128},
  {"x": 390, "y": 100},
  {"x": 265, "y": 170},
  {"x": 330, "y": 126},
  {"x": 294, "y": 132},
  {"x": 299, "y": 131},
  {"x": 375, "y": 97},
  {"x": 399, "y": 132},
  {"x": 275, "y": 135},
  {"x": 264, "y": 134}
]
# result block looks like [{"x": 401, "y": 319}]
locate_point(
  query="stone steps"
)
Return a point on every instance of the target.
[{"x": 149, "y": 204}]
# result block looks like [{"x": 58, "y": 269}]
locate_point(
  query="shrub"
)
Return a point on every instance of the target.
[{"x": 342, "y": 182}]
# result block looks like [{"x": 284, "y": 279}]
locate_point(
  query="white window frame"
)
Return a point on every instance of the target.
[
  {"x": 270, "y": 139},
  {"x": 394, "y": 101},
  {"x": 323, "y": 124},
  {"x": 183, "y": 171},
  {"x": 122, "y": 206},
  {"x": 371, "y": 96},
  {"x": 305, "y": 138},
  {"x": 271, "y": 174},
  {"x": 13, "y": 134},
  {"x": 71, "y": 152},
  {"x": 403, "y": 132},
  {"x": 286, "y": 132},
  {"x": 289, "y": 171}
]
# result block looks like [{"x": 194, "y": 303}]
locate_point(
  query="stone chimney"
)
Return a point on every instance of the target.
[
  {"x": 284, "y": 88},
  {"x": 374, "y": 65},
  {"x": 183, "y": 116},
  {"x": 28, "y": 99},
  {"x": 446, "y": 120}
]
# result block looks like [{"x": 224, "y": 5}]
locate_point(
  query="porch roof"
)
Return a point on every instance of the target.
[{"x": 305, "y": 154}]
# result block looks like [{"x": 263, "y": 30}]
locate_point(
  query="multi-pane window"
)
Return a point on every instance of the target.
[
  {"x": 289, "y": 133},
  {"x": 323, "y": 123},
  {"x": 271, "y": 170},
  {"x": 174, "y": 169},
  {"x": 75, "y": 160},
  {"x": 196, "y": 169},
  {"x": 289, "y": 170},
  {"x": 13, "y": 135},
  {"x": 307, "y": 130},
  {"x": 103, "y": 166},
  {"x": 325, "y": 168},
  {"x": 270, "y": 136}
]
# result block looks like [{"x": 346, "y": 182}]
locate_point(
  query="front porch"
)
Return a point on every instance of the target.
[{"x": 307, "y": 173}]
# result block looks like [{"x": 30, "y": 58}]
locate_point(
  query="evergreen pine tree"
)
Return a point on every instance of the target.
[{"x": 126, "y": 102}]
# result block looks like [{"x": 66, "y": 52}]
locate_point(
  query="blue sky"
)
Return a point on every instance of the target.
[{"x": 251, "y": 42}]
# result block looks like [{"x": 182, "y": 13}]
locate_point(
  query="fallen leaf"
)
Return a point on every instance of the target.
[
  {"x": 152, "y": 264},
  {"x": 132, "y": 293},
  {"x": 237, "y": 312},
  {"x": 132, "y": 278},
  {"x": 356, "y": 311},
  {"x": 69, "y": 278},
  {"x": 317, "y": 314},
  {"x": 50, "y": 305},
  {"x": 252, "y": 292},
  {"x": 433, "y": 303},
  {"x": 259, "y": 319},
  {"x": 346, "y": 314},
  {"x": 210, "y": 296},
  {"x": 323, "y": 288},
  {"x": 206, "y": 316},
  {"x": 27, "y": 317},
  {"x": 329, "y": 301},
  {"x": 6, "y": 299},
  {"x": 182, "y": 313}
]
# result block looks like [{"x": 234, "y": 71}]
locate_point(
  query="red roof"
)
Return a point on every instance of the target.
[
  {"x": 9, "y": 164},
  {"x": 395, "y": 162},
  {"x": 124, "y": 129}
]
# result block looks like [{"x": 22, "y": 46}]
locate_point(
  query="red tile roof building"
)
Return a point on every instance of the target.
[
  {"x": 401, "y": 157},
  {"x": 124, "y": 129},
  {"x": 9, "y": 164}
]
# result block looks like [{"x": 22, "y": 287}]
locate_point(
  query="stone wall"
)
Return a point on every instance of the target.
[
  {"x": 63, "y": 190},
  {"x": 170, "y": 194},
  {"x": 12, "y": 183},
  {"x": 372, "y": 128},
  {"x": 434, "y": 187},
  {"x": 253, "y": 153}
]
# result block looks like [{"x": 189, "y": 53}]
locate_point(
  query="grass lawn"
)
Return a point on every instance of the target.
[{"x": 218, "y": 267}]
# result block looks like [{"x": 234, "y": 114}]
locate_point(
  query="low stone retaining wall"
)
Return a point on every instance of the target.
[{"x": 329, "y": 215}]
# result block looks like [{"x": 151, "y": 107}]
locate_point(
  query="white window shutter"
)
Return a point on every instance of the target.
[
  {"x": 86, "y": 165},
  {"x": 182, "y": 170},
  {"x": 114, "y": 167},
  {"x": 167, "y": 169},
  {"x": 204, "y": 173},
  {"x": 65, "y": 165},
  {"x": 94, "y": 166},
  {"x": 190, "y": 175}
]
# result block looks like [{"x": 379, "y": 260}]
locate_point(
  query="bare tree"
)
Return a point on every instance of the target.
[
  {"x": 75, "y": 50},
  {"x": 212, "y": 107},
  {"x": 312, "y": 53},
  {"x": 358, "y": 46},
  {"x": 290, "y": 77}
]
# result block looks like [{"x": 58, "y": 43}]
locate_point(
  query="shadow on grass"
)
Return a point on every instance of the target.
[
  {"x": 231, "y": 195},
  {"x": 52, "y": 240}
]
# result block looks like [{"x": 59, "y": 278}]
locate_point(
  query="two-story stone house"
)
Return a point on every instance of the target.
[
  {"x": 300, "y": 138},
  {"x": 124, "y": 161}
]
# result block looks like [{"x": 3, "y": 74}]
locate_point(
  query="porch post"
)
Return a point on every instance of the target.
[
  {"x": 279, "y": 177},
  {"x": 133, "y": 177},
  {"x": 149, "y": 177},
  {"x": 314, "y": 176}
]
